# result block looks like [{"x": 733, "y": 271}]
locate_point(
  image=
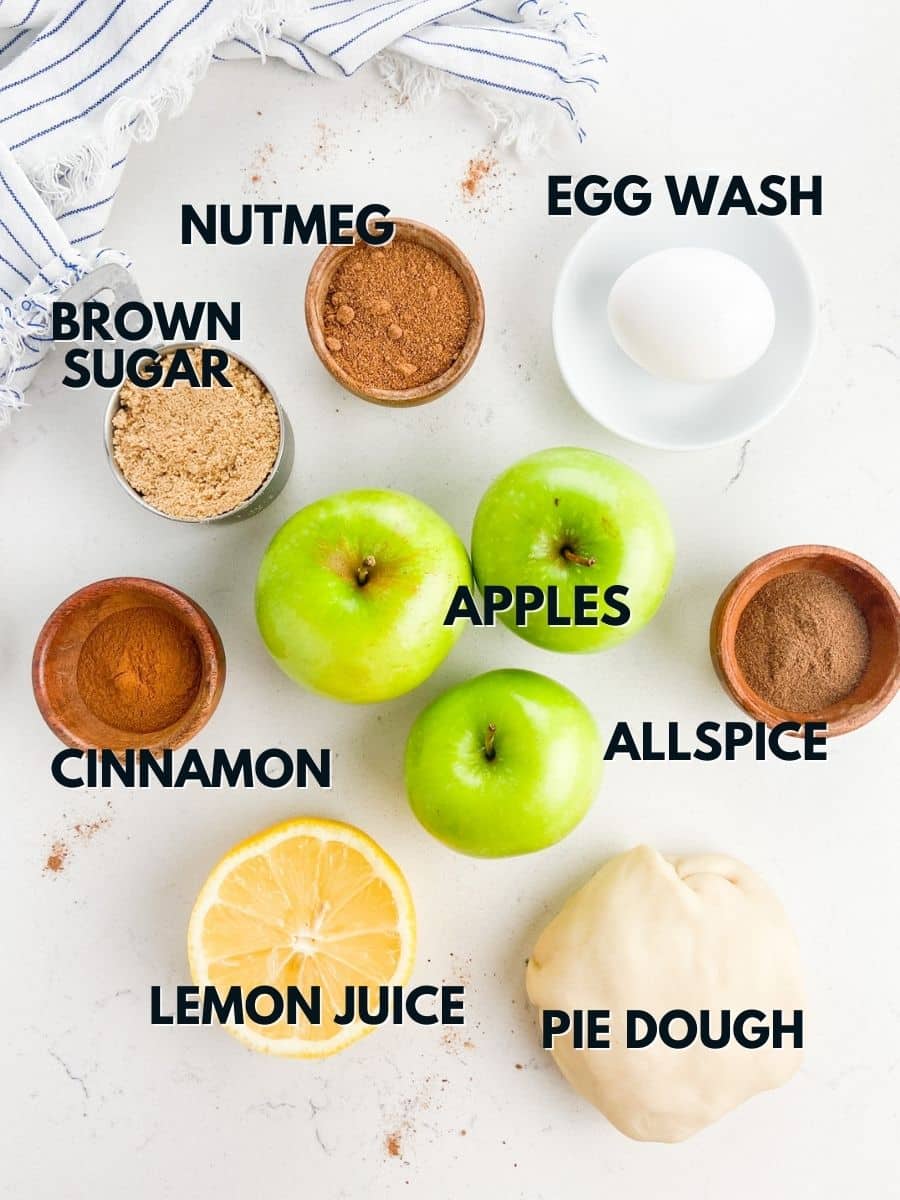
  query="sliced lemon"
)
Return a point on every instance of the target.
[{"x": 310, "y": 903}]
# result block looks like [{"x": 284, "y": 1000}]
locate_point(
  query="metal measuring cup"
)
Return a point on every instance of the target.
[{"x": 117, "y": 280}]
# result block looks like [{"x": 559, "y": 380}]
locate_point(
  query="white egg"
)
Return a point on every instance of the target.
[{"x": 692, "y": 315}]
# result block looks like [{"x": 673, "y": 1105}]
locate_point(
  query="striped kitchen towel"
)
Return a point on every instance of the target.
[{"x": 81, "y": 80}]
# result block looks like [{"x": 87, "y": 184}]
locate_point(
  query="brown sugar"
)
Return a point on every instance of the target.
[
  {"x": 195, "y": 452},
  {"x": 397, "y": 316},
  {"x": 802, "y": 642},
  {"x": 139, "y": 670}
]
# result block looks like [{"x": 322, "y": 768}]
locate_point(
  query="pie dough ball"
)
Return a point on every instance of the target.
[{"x": 658, "y": 934}]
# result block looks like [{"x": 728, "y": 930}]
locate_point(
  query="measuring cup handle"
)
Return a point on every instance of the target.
[{"x": 111, "y": 278}]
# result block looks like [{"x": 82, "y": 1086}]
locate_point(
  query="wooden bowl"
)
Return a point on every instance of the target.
[
  {"x": 879, "y": 603},
  {"x": 59, "y": 644},
  {"x": 319, "y": 285}
]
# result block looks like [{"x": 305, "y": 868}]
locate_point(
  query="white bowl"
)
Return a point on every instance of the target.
[{"x": 618, "y": 393}]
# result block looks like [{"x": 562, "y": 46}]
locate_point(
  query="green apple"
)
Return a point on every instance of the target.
[
  {"x": 505, "y": 764},
  {"x": 353, "y": 590},
  {"x": 570, "y": 518}
]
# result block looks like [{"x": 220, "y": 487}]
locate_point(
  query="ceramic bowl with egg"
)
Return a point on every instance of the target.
[{"x": 683, "y": 333}]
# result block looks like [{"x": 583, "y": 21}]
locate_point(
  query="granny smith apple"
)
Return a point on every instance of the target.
[
  {"x": 506, "y": 763},
  {"x": 353, "y": 590},
  {"x": 570, "y": 519}
]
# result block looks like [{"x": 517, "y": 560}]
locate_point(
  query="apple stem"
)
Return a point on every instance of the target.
[
  {"x": 581, "y": 559},
  {"x": 489, "y": 751},
  {"x": 362, "y": 571}
]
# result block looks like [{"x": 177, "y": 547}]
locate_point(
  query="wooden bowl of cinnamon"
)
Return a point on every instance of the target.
[
  {"x": 809, "y": 633},
  {"x": 128, "y": 664},
  {"x": 398, "y": 324}
]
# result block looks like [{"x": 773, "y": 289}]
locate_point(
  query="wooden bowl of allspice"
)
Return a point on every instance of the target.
[
  {"x": 809, "y": 633},
  {"x": 397, "y": 324},
  {"x": 128, "y": 664}
]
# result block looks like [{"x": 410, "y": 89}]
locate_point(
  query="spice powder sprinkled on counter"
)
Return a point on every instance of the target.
[
  {"x": 195, "y": 453},
  {"x": 397, "y": 316}
]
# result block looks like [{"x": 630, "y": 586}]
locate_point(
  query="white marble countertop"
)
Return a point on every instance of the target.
[{"x": 101, "y": 1104}]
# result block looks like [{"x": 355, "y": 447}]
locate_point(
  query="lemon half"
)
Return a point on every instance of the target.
[{"x": 310, "y": 903}]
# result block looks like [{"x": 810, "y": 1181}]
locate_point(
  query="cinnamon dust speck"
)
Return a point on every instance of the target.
[
  {"x": 86, "y": 829},
  {"x": 484, "y": 188},
  {"x": 478, "y": 170},
  {"x": 454, "y": 1038},
  {"x": 56, "y": 859},
  {"x": 259, "y": 166},
  {"x": 324, "y": 141},
  {"x": 414, "y": 1108},
  {"x": 61, "y": 849}
]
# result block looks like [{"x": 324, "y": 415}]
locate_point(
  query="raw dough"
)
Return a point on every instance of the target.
[{"x": 649, "y": 933}]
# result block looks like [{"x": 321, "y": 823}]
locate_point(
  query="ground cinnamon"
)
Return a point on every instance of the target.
[
  {"x": 139, "y": 670},
  {"x": 396, "y": 316},
  {"x": 802, "y": 642}
]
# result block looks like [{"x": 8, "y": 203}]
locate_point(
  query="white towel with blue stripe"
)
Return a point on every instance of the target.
[{"x": 81, "y": 80}]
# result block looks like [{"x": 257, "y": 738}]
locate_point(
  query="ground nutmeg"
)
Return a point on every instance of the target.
[
  {"x": 139, "y": 670},
  {"x": 396, "y": 316},
  {"x": 802, "y": 642}
]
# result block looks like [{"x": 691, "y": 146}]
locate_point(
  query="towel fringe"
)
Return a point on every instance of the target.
[
  {"x": 563, "y": 21},
  {"x": 522, "y": 124},
  {"x": 71, "y": 176}
]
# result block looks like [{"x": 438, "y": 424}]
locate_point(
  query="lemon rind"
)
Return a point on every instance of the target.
[{"x": 325, "y": 829}]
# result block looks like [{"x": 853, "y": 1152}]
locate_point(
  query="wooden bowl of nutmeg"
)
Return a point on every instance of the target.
[
  {"x": 397, "y": 324},
  {"x": 809, "y": 634}
]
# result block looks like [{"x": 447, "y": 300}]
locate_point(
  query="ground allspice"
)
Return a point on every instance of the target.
[
  {"x": 396, "y": 316},
  {"x": 139, "y": 670},
  {"x": 802, "y": 642}
]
